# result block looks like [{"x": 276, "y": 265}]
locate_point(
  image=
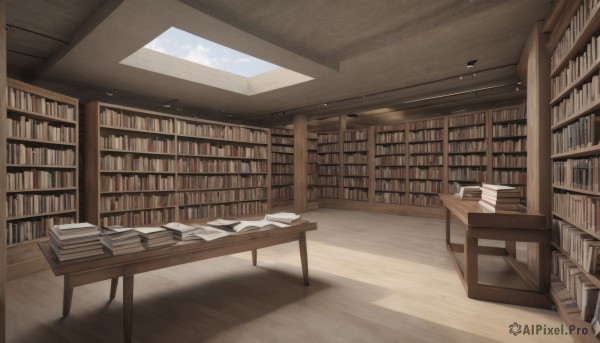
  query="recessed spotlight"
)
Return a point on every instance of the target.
[
  {"x": 179, "y": 109},
  {"x": 471, "y": 64},
  {"x": 111, "y": 92},
  {"x": 169, "y": 103},
  {"x": 230, "y": 115},
  {"x": 460, "y": 77},
  {"x": 325, "y": 104}
]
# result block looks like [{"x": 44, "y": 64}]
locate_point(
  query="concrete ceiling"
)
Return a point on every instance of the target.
[{"x": 374, "y": 58}]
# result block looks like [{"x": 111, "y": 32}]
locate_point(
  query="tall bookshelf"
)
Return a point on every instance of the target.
[
  {"x": 356, "y": 165},
  {"x": 467, "y": 150},
  {"x": 575, "y": 100},
  {"x": 391, "y": 167},
  {"x": 328, "y": 151},
  {"x": 147, "y": 168},
  {"x": 313, "y": 168},
  {"x": 509, "y": 135},
  {"x": 426, "y": 162},
  {"x": 42, "y": 170},
  {"x": 282, "y": 166}
]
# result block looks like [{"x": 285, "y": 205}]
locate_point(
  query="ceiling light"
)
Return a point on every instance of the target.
[
  {"x": 474, "y": 74},
  {"x": 325, "y": 104},
  {"x": 169, "y": 103},
  {"x": 471, "y": 64},
  {"x": 460, "y": 77},
  {"x": 111, "y": 92},
  {"x": 230, "y": 115},
  {"x": 179, "y": 109}
]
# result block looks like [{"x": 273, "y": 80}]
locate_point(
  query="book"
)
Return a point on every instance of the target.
[
  {"x": 155, "y": 237},
  {"x": 73, "y": 241},
  {"x": 208, "y": 233},
  {"x": 282, "y": 217},
  {"x": 240, "y": 226}
]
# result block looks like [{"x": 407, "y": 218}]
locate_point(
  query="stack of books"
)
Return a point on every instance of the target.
[
  {"x": 282, "y": 217},
  {"x": 155, "y": 237},
  {"x": 499, "y": 198},
  {"x": 182, "y": 232},
  {"x": 73, "y": 241},
  {"x": 469, "y": 193},
  {"x": 120, "y": 240}
]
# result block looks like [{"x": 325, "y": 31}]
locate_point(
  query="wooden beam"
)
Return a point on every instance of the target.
[
  {"x": 300, "y": 163},
  {"x": 3, "y": 120}
]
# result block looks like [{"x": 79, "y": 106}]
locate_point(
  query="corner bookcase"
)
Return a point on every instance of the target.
[
  {"x": 467, "y": 150},
  {"x": 42, "y": 171},
  {"x": 149, "y": 168},
  {"x": 391, "y": 167},
  {"x": 356, "y": 165},
  {"x": 282, "y": 167},
  {"x": 575, "y": 101},
  {"x": 328, "y": 151}
]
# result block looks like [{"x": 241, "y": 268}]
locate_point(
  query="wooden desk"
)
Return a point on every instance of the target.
[
  {"x": 84, "y": 271},
  {"x": 507, "y": 226}
]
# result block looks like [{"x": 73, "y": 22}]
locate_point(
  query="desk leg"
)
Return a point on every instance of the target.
[
  {"x": 447, "y": 227},
  {"x": 511, "y": 248},
  {"x": 254, "y": 257},
  {"x": 67, "y": 297},
  {"x": 304, "y": 257},
  {"x": 471, "y": 264},
  {"x": 113, "y": 287},
  {"x": 127, "y": 306}
]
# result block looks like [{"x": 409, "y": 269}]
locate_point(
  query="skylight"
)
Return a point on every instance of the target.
[{"x": 178, "y": 43}]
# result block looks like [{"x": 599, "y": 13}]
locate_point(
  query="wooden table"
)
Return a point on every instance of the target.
[
  {"x": 510, "y": 227},
  {"x": 84, "y": 271}
]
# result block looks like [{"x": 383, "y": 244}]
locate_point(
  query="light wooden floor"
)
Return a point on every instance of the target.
[{"x": 374, "y": 278}]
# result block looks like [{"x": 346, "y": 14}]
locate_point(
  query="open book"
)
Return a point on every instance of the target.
[{"x": 245, "y": 225}]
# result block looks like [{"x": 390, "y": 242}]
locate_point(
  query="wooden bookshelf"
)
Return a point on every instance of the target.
[
  {"x": 356, "y": 165},
  {"x": 575, "y": 90},
  {"x": 313, "y": 169},
  {"x": 391, "y": 167},
  {"x": 509, "y": 148},
  {"x": 426, "y": 161},
  {"x": 282, "y": 167},
  {"x": 42, "y": 171},
  {"x": 188, "y": 169},
  {"x": 328, "y": 151},
  {"x": 467, "y": 150}
]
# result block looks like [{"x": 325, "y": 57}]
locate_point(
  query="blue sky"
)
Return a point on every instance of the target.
[{"x": 187, "y": 46}]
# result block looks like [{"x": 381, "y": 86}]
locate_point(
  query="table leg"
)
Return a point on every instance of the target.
[
  {"x": 67, "y": 297},
  {"x": 471, "y": 264},
  {"x": 113, "y": 287},
  {"x": 304, "y": 257},
  {"x": 511, "y": 248},
  {"x": 447, "y": 227},
  {"x": 254, "y": 252},
  {"x": 127, "y": 306}
]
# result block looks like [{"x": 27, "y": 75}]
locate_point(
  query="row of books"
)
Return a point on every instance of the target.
[
  {"x": 435, "y": 147},
  {"x": 467, "y": 147},
  {"x": 20, "y": 231},
  {"x": 282, "y": 158},
  {"x": 426, "y": 135},
  {"x": 511, "y": 114},
  {"x": 466, "y": 174},
  {"x": 313, "y": 157},
  {"x": 432, "y": 200},
  {"x": 27, "y": 128},
  {"x": 467, "y": 160},
  {"x": 40, "y": 179},
  {"x": 390, "y": 185},
  {"x": 124, "y": 202},
  {"x": 355, "y": 170},
  {"x": 133, "y": 182},
  {"x": 582, "y": 247},
  {"x": 356, "y": 146},
  {"x": 140, "y": 144},
  {"x": 132, "y": 162},
  {"x": 391, "y": 172},
  {"x": 390, "y": 137},
  {"x": 282, "y": 193},
  {"x": 136, "y": 121},
  {"x": 283, "y": 179},
  {"x": 356, "y": 194},
  {"x": 575, "y": 68},
  {"x": 312, "y": 169},
  {"x": 18, "y": 204},
  {"x": 329, "y": 158},
  {"x": 282, "y": 149},
  {"x": 390, "y": 127},
  {"x": 351, "y": 181},
  {"x": 390, "y": 198},
  {"x": 312, "y": 144},
  {"x": 193, "y": 165},
  {"x": 510, "y": 129},
  {"x": 467, "y": 120},
  {"x": 427, "y": 124},
  {"x": 220, "y": 181},
  {"x": 328, "y": 138},
  {"x": 138, "y": 218},
  {"x": 391, "y": 160},
  {"x": 511, "y": 177},
  {"x": 573, "y": 288},
  {"x": 34, "y": 103},
  {"x": 220, "y": 149},
  {"x": 579, "y": 99},
  {"x": 311, "y": 194},
  {"x": 356, "y": 158},
  {"x": 429, "y": 186},
  {"x": 282, "y": 132},
  {"x": 425, "y": 173},
  {"x": 329, "y": 170},
  {"x": 222, "y": 210},
  {"x": 328, "y": 192},
  {"x": 23, "y": 154},
  {"x": 576, "y": 135},
  {"x": 511, "y": 145},
  {"x": 427, "y": 160},
  {"x": 329, "y": 181},
  {"x": 581, "y": 210},
  {"x": 510, "y": 161},
  {"x": 576, "y": 25},
  {"x": 283, "y": 168},
  {"x": 356, "y": 135},
  {"x": 582, "y": 173},
  {"x": 221, "y": 131},
  {"x": 282, "y": 140},
  {"x": 231, "y": 195},
  {"x": 467, "y": 132},
  {"x": 329, "y": 148},
  {"x": 390, "y": 149}
]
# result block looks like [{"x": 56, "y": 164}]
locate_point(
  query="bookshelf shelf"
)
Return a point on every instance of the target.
[
  {"x": 572, "y": 319},
  {"x": 589, "y": 151},
  {"x": 136, "y": 152},
  {"x": 205, "y": 138},
  {"x": 136, "y": 209},
  {"x": 576, "y": 115},
  {"x": 35, "y": 115},
  {"x": 40, "y": 166},
  {"x": 38, "y": 141},
  {"x": 584, "y": 76},
  {"x": 41, "y": 190},
  {"x": 44, "y": 214},
  {"x": 117, "y": 128}
]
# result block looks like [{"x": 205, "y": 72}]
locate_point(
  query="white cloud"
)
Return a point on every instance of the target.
[
  {"x": 242, "y": 60},
  {"x": 156, "y": 46},
  {"x": 201, "y": 55}
]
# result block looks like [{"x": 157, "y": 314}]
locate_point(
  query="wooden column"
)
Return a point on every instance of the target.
[
  {"x": 300, "y": 163},
  {"x": 534, "y": 69},
  {"x": 3, "y": 120}
]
